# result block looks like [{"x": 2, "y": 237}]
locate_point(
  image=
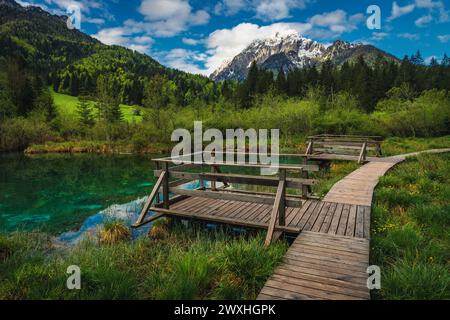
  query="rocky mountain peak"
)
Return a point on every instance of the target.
[{"x": 289, "y": 51}]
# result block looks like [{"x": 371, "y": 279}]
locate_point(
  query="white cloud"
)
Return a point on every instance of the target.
[
  {"x": 398, "y": 11},
  {"x": 270, "y": 10},
  {"x": 377, "y": 36},
  {"x": 444, "y": 38},
  {"x": 224, "y": 44},
  {"x": 124, "y": 37},
  {"x": 231, "y": 7},
  {"x": 428, "y": 59},
  {"x": 266, "y": 10},
  {"x": 409, "y": 36},
  {"x": 183, "y": 59},
  {"x": 434, "y": 8},
  {"x": 190, "y": 41},
  {"x": 97, "y": 21},
  {"x": 424, "y": 20},
  {"x": 333, "y": 24},
  {"x": 166, "y": 18}
]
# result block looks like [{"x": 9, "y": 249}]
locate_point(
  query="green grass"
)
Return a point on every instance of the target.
[
  {"x": 67, "y": 105},
  {"x": 190, "y": 263},
  {"x": 410, "y": 229},
  {"x": 395, "y": 145}
]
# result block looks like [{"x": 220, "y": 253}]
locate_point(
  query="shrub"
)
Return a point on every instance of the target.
[{"x": 113, "y": 232}]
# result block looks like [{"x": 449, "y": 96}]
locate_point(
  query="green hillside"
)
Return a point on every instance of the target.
[{"x": 67, "y": 105}]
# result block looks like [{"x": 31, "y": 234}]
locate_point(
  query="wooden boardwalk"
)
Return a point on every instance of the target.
[
  {"x": 327, "y": 266},
  {"x": 321, "y": 266},
  {"x": 357, "y": 187}
]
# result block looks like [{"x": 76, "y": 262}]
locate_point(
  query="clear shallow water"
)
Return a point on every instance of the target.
[
  {"x": 71, "y": 195},
  {"x": 57, "y": 193}
]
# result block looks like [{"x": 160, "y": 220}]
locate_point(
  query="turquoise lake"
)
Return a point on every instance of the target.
[
  {"x": 69, "y": 195},
  {"x": 58, "y": 192}
]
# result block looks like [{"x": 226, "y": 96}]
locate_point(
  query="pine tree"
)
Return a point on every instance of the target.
[
  {"x": 45, "y": 104},
  {"x": 107, "y": 103},
  {"x": 281, "y": 83},
  {"x": 445, "y": 61},
  {"x": 85, "y": 112}
]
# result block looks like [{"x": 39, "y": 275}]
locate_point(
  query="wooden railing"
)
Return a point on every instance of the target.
[
  {"x": 171, "y": 177},
  {"x": 358, "y": 146}
]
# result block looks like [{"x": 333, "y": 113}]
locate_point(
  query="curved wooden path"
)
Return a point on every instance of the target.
[{"x": 320, "y": 265}]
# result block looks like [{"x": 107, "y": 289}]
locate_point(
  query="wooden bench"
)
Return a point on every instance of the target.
[{"x": 343, "y": 147}]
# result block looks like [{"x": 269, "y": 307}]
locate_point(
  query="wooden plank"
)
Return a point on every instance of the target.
[
  {"x": 312, "y": 219},
  {"x": 320, "y": 284},
  {"x": 344, "y": 219},
  {"x": 318, "y": 223},
  {"x": 359, "y": 286},
  {"x": 359, "y": 228},
  {"x": 327, "y": 221},
  {"x": 351, "y": 224},
  {"x": 223, "y": 220},
  {"x": 367, "y": 222},
  {"x": 282, "y": 294},
  {"x": 326, "y": 260},
  {"x": 307, "y": 207},
  {"x": 234, "y": 196},
  {"x": 317, "y": 293}
]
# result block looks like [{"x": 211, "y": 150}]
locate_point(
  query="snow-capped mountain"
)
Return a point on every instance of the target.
[{"x": 289, "y": 51}]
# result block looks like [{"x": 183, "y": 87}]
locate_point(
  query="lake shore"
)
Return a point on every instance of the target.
[{"x": 99, "y": 147}]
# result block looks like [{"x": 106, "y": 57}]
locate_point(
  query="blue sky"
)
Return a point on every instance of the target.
[{"x": 197, "y": 35}]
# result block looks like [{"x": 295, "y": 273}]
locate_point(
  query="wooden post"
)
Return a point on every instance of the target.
[
  {"x": 304, "y": 174},
  {"x": 202, "y": 182},
  {"x": 278, "y": 203},
  {"x": 282, "y": 208},
  {"x": 362, "y": 155},
  {"x": 213, "y": 183},
  {"x": 166, "y": 186},
  {"x": 158, "y": 195}
]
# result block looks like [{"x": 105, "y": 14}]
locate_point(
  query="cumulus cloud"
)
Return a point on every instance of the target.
[
  {"x": 224, "y": 44},
  {"x": 333, "y": 24},
  {"x": 191, "y": 42},
  {"x": 124, "y": 37},
  {"x": 166, "y": 18},
  {"x": 266, "y": 10},
  {"x": 270, "y": 10},
  {"x": 444, "y": 38},
  {"x": 424, "y": 20},
  {"x": 409, "y": 36},
  {"x": 183, "y": 59},
  {"x": 231, "y": 7},
  {"x": 377, "y": 36},
  {"x": 435, "y": 8},
  {"x": 398, "y": 11}
]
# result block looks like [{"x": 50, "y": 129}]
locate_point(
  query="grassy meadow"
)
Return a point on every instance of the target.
[
  {"x": 410, "y": 229},
  {"x": 67, "y": 106}
]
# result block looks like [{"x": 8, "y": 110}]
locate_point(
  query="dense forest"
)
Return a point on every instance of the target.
[{"x": 369, "y": 83}]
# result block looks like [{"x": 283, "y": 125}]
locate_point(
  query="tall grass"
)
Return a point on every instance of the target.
[
  {"x": 189, "y": 264},
  {"x": 410, "y": 229}
]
